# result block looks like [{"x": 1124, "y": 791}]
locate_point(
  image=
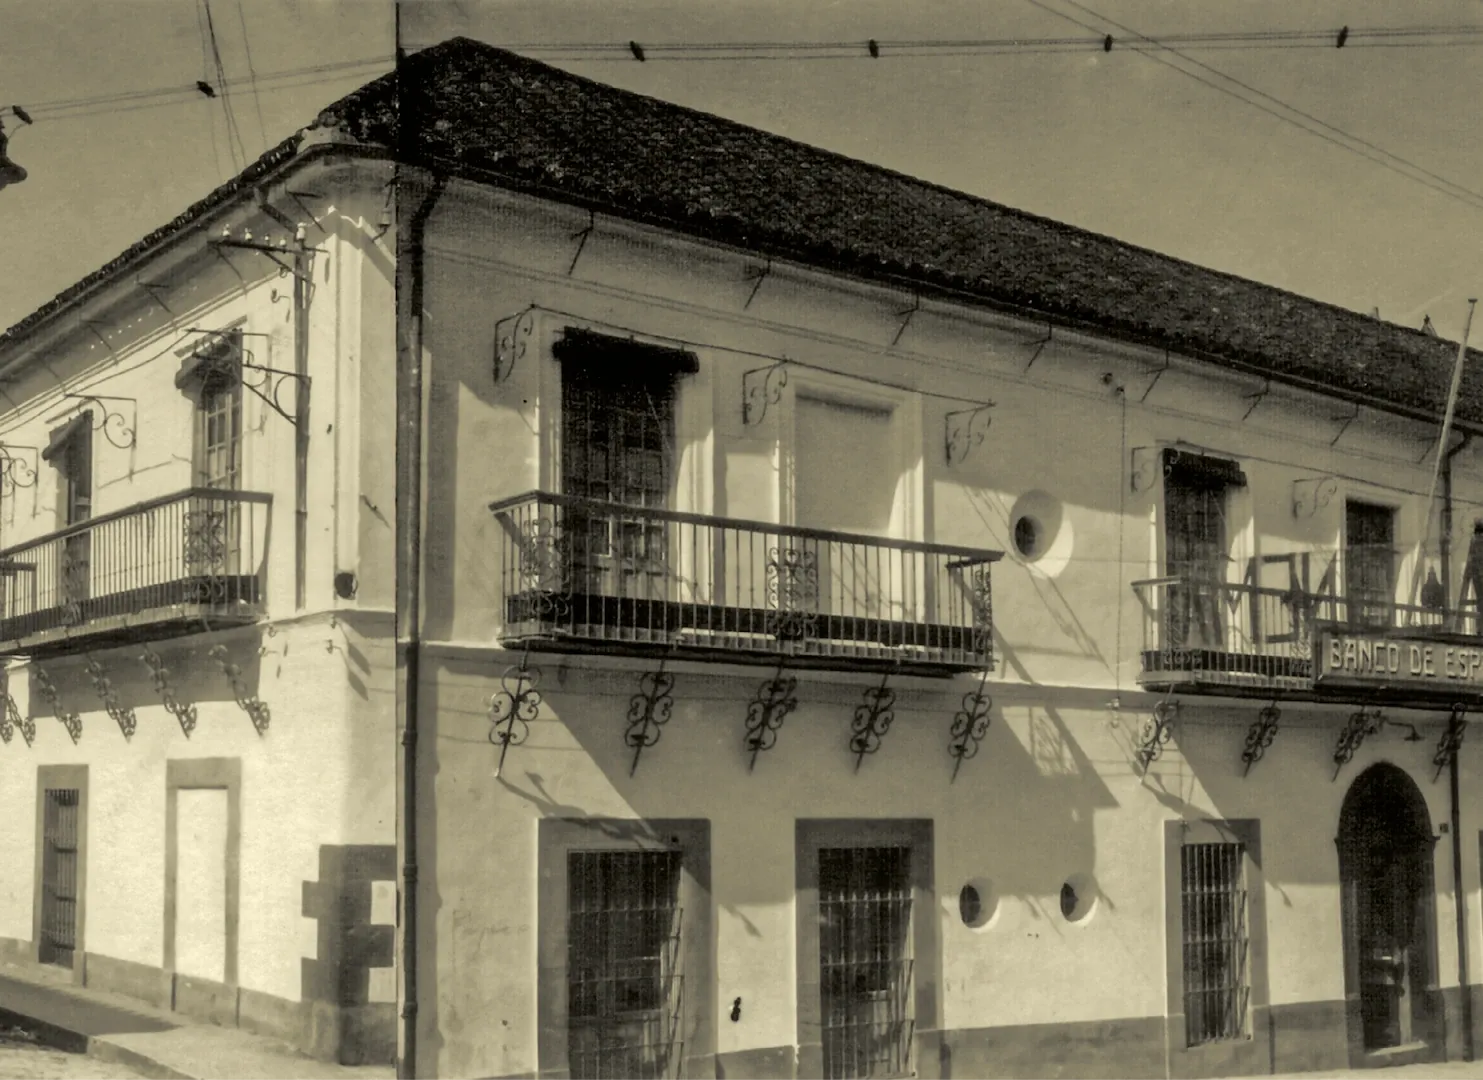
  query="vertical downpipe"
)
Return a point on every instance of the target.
[
  {"x": 1459, "y": 890},
  {"x": 410, "y": 411},
  {"x": 302, "y": 271}
]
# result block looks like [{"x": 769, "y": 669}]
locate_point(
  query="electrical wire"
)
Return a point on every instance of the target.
[
  {"x": 262, "y": 127},
  {"x": 234, "y": 132},
  {"x": 1358, "y": 146}
]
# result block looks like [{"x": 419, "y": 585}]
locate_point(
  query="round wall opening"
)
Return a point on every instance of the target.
[
  {"x": 1040, "y": 533},
  {"x": 1078, "y": 898},
  {"x": 977, "y": 904}
]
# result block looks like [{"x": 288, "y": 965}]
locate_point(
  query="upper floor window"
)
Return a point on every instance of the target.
[
  {"x": 1197, "y": 492},
  {"x": 1369, "y": 563},
  {"x": 218, "y": 451}
]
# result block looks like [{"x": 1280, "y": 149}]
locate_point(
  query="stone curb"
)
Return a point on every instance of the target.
[{"x": 71, "y": 1041}]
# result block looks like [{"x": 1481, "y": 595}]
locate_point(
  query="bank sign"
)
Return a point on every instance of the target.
[{"x": 1346, "y": 658}]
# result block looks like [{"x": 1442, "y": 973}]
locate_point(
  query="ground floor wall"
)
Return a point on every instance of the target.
[
  {"x": 1055, "y": 893},
  {"x": 202, "y": 823}
]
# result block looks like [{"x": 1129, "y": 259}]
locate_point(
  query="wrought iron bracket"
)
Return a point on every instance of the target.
[
  {"x": 123, "y": 717},
  {"x": 762, "y": 387},
  {"x": 1311, "y": 494},
  {"x": 1157, "y": 375},
  {"x": 872, "y": 721},
  {"x": 1040, "y": 344},
  {"x": 269, "y": 384},
  {"x": 1256, "y": 399},
  {"x": 184, "y": 713},
  {"x": 906, "y": 316},
  {"x": 648, "y": 712},
  {"x": 153, "y": 289},
  {"x": 970, "y": 724},
  {"x": 1347, "y": 420},
  {"x": 11, "y": 718},
  {"x": 1260, "y": 735},
  {"x": 92, "y": 327},
  {"x": 274, "y": 254},
  {"x": 513, "y": 707},
  {"x": 70, "y": 720},
  {"x": 964, "y": 429},
  {"x": 775, "y": 699},
  {"x": 757, "y": 276},
  {"x": 1451, "y": 741},
  {"x": 15, "y": 471},
  {"x": 582, "y": 236},
  {"x": 1361, "y": 724},
  {"x": 1158, "y": 729},
  {"x": 257, "y": 710},
  {"x": 112, "y": 420},
  {"x": 512, "y": 336}
]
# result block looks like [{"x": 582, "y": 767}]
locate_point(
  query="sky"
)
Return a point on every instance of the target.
[{"x": 1353, "y": 175}]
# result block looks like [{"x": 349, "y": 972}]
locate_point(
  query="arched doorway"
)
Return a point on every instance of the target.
[{"x": 1385, "y": 871}]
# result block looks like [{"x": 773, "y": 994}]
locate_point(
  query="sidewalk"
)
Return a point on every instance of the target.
[{"x": 167, "y": 1046}]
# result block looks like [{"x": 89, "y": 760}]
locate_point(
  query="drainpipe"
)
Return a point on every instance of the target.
[{"x": 1454, "y": 783}]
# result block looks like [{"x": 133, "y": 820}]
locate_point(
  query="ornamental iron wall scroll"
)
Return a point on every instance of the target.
[
  {"x": 512, "y": 337},
  {"x": 1312, "y": 494},
  {"x": 775, "y": 699},
  {"x": 16, "y": 472},
  {"x": 1361, "y": 725},
  {"x": 1158, "y": 730},
  {"x": 257, "y": 710},
  {"x": 648, "y": 712},
  {"x": 513, "y": 707},
  {"x": 184, "y": 713},
  {"x": 11, "y": 718},
  {"x": 70, "y": 720},
  {"x": 963, "y": 431},
  {"x": 762, "y": 387},
  {"x": 1260, "y": 735},
  {"x": 970, "y": 724},
  {"x": 872, "y": 721},
  {"x": 118, "y": 429},
  {"x": 123, "y": 717},
  {"x": 1451, "y": 741}
]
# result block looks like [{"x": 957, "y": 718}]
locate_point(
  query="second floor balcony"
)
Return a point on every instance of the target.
[
  {"x": 160, "y": 567},
  {"x": 1228, "y": 634},
  {"x": 580, "y": 573}
]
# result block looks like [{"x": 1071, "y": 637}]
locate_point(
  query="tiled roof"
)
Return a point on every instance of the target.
[{"x": 498, "y": 117}]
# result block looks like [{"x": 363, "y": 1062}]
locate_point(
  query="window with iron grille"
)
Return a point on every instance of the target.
[
  {"x": 624, "y": 981},
  {"x": 1217, "y": 979},
  {"x": 59, "y": 878},
  {"x": 865, "y": 960}
]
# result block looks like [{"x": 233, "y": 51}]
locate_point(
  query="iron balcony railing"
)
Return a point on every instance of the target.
[
  {"x": 197, "y": 554},
  {"x": 1239, "y": 633},
  {"x": 584, "y": 571}
]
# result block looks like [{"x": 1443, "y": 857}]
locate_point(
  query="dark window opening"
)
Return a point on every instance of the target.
[
  {"x": 865, "y": 958},
  {"x": 1196, "y": 547},
  {"x": 623, "y": 978},
  {"x": 59, "y": 899},
  {"x": 1217, "y": 980},
  {"x": 1369, "y": 564}
]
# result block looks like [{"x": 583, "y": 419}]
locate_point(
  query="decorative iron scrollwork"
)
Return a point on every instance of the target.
[
  {"x": 981, "y": 595},
  {"x": 512, "y": 336},
  {"x": 775, "y": 699},
  {"x": 206, "y": 549},
  {"x": 1260, "y": 735},
  {"x": 1157, "y": 731},
  {"x": 1361, "y": 724},
  {"x": 123, "y": 717},
  {"x": 762, "y": 387},
  {"x": 10, "y": 715},
  {"x": 872, "y": 721},
  {"x": 513, "y": 707},
  {"x": 648, "y": 712},
  {"x": 1145, "y": 467},
  {"x": 792, "y": 593},
  {"x": 544, "y": 569},
  {"x": 15, "y": 471},
  {"x": 970, "y": 724},
  {"x": 257, "y": 710},
  {"x": 184, "y": 713},
  {"x": 1451, "y": 741},
  {"x": 964, "y": 430},
  {"x": 118, "y": 429},
  {"x": 70, "y": 720},
  {"x": 1312, "y": 494}
]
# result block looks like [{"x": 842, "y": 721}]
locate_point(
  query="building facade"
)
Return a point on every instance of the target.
[
  {"x": 817, "y": 623},
  {"x": 197, "y": 800},
  {"x": 865, "y": 631}
]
